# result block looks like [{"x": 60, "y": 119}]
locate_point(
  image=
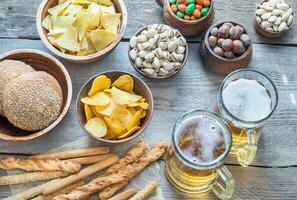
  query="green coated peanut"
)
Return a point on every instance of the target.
[
  {"x": 204, "y": 11},
  {"x": 190, "y": 9},
  {"x": 191, "y": 1},
  {"x": 180, "y": 14},
  {"x": 172, "y": 1}
]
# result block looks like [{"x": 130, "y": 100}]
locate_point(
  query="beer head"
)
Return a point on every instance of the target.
[
  {"x": 247, "y": 98},
  {"x": 202, "y": 139}
]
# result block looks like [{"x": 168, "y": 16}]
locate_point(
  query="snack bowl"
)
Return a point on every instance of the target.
[
  {"x": 42, "y": 13},
  {"x": 186, "y": 54},
  {"x": 219, "y": 64},
  {"x": 40, "y": 61},
  {"x": 187, "y": 28},
  {"x": 270, "y": 34},
  {"x": 140, "y": 88}
]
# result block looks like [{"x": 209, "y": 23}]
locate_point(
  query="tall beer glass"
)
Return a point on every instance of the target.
[
  {"x": 247, "y": 99},
  {"x": 201, "y": 141}
]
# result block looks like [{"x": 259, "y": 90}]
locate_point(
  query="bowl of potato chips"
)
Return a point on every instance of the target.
[
  {"x": 81, "y": 31},
  {"x": 114, "y": 106}
]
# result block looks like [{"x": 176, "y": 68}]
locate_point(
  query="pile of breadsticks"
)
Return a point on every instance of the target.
[{"x": 66, "y": 174}]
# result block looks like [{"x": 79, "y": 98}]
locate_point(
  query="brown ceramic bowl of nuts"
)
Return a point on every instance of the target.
[
  {"x": 158, "y": 51},
  {"x": 226, "y": 47},
  {"x": 273, "y": 18},
  {"x": 189, "y": 27}
]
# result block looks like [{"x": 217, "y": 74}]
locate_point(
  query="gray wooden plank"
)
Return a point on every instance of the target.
[
  {"x": 17, "y": 18},
  {"x": 251, "y": 183},
  {"x": 4, "y": 190},
  {"x": 194, "y": 87}
]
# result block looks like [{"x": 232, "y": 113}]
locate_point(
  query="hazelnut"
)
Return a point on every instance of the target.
[
  {"x": 234, "y": 33},
  {"x": 240, "y": 29},
  {"x": 219, "y": 51},
  {"x": 227, "y": 44},
  {"x": 229, "y": 24},
  {"x": 212, "y": 40},
  {"x": 246, "y": 40},
  {"x": 220, "y": 41},
  {"x": 229, "y": 54},
  {"x": 238, "y": 47},
  {"x": 214, "y": 31}
]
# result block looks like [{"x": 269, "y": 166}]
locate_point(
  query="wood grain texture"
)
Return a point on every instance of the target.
[
  {"x": 193, "y": 88},
  {"x": 17, "y": 18}
]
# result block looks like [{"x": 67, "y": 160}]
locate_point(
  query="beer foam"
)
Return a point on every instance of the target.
[
  {"x": 210, "y": 134},
  {"x": 247, "y": 99}
]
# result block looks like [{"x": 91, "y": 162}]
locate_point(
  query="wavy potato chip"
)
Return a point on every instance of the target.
[
  {"x": 121, "y": 115},
  {"x": 99, "y": 84},
  {"x": 68, "y": 41},
  {"x": 124, "y": 82},
  {"x": 88, "y": 112},
  {"x": 95, "y": 10},
  {"x": 99, "y": 99},
  {"x": 57, "y": 10},
  {"x": 102, "y": 38},
  {"x": 108, "y": 9},
  {"x": 143, "y": 114},
  {"x": 123, "y": 98},
  {"x": 83, "y": 23},
  {"x": 72, "y": 10},
  {"x": 105, "y": 2},
  {"x": 129, "y": 133},
  {"x": 81, "y": 1},
  {"x": 61, "y": 24},
  {"x": 107, "y": 110},
  {"x": 47, "y": 23},
  {"x": 96, "y": 127},
  {"x": 114, "y": 127},
  {"x": 144, "y": 106},
  {"x": 135, "y": 120},
  {"x": 93, "y": 108},
  {"x": 111, "y": 22}
]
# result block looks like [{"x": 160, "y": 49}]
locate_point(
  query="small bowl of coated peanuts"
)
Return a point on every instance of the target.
[
  {"x": 190, "y": 17},
  {"x": 273, "y": 18},
  {"x": 158, "y": 51}
]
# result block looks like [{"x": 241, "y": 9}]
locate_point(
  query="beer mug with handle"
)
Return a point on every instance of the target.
[
  {"x": 247, "y": 99},
  {"x": 201, "y": 141}
]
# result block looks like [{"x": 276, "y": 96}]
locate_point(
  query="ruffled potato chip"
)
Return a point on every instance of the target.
[
  {"x": 114, "y": 127},
  {"x": 121, "y": 115},
  {"x": 124, "y": 82},
  {"x": 99, "y": 99},
  {"x": 96, "y": 127},
  {"x": 99, "y": 84},
  {"x": 135, "y": 120},
  {"x": 57, "y": 10},
  {"x": 102, "y": 38},
  {"x": 105, "y": 2},
  {"x": 111, "y": 22},
  {"x": 123, "y": 98},
  {"x": 129, "y": 133},
  {"x": 88, "y": 112}
]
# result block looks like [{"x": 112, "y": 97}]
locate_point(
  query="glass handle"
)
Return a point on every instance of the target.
[
  {"x": 224, "y": 185},
  {"x": 246, "y": 155}
]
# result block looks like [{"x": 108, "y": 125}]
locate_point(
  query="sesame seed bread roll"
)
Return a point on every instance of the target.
[
  {"x": 32, "y": 101},
  {"x": 10, "y": 69}
]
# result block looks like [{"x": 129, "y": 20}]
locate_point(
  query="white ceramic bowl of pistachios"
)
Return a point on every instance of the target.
[
  {"x": 158, "y": 51},
  {"x": 273, "y": 18}
]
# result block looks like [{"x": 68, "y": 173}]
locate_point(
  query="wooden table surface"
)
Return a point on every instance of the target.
[{"x": 272, "y": 175}]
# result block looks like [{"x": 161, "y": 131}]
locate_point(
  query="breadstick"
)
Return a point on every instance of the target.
[
  {"x": 31, "y": 177},
  {"x": 120, "y": 175},
  {"x": 146, "y": 191},
  {"x": 73, "y": 153},
  {"x": 125, "y": 195},
  {"x": 62, "y": 191},
  {"x": 91, "y": 159},
  {"x": 39, "y": 165},
  {"x": 82, "y": 174},
  {"x": 109, "y": 191},
  {"x": 133, "y": 154},
  {"x": 33, "y": 192}
]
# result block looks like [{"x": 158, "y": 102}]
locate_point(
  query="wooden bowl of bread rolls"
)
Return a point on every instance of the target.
[{"x": 35, "y": 94}]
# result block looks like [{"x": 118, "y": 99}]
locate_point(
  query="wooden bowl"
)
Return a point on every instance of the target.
[
  {"x": 42, "y": 13},
  {"x": 40, "y": 61},
  {"x": 269, "y": 34},
  {"x": 140, "y": 88},
  {"x": 157, "y": 77},
  {"x": 220, "y": 64},
  {"x": 187, "y": 28}
]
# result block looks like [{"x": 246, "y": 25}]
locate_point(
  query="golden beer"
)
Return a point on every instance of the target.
[
  {"x": 194, "y": 162},
  {"x": 247, "y": 99}
]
